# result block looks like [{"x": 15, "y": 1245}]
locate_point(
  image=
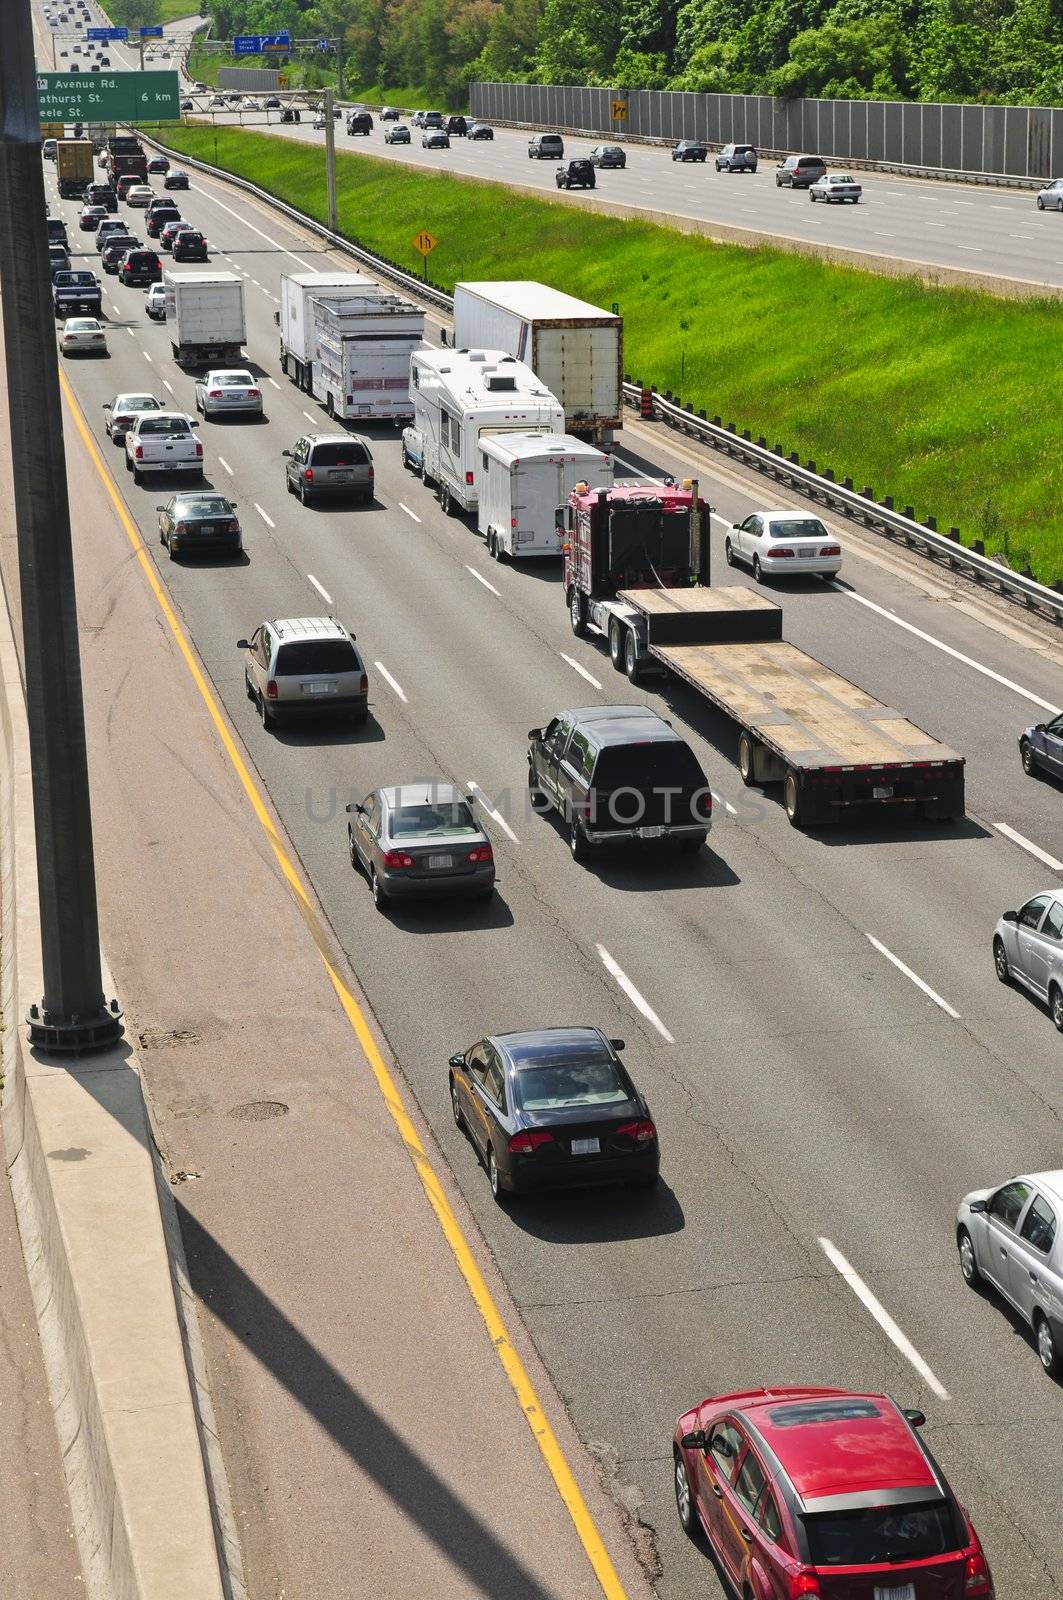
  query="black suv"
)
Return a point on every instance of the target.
[
  {"x": 140, "y": 266},
  {"x": 456, "y": 126},
  {"x": 359, "y": 122},
  {"x": 799, "y": 172},
  {"x": 546, "y": 147},
  {"x": 618, "y": 774},
  {"x": 690, "y": 150},
  {"x": 576, "y": 175}
]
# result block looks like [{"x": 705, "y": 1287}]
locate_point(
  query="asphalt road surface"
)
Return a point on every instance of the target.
[{"x": 807, "y": 1089}]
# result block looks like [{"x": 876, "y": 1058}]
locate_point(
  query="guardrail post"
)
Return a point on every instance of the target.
[
  {"x": 828, "y": 473},
  {"x": 811, "y": 466},
  {"x": 887, "y": 502},
  {"x": 932, "y": 524},
  {"x": 848, "y": 483},
  {"x": 867, "y": 492},
  {"x": 909, "y": 512}
]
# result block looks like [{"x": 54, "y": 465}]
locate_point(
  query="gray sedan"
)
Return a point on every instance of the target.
[
  {"x": 228, "y": 390},
  {"x": 1010, "y": 1237},
  {"x": 1041, "y": 748},
  {"x": 835, "y": 187},
  {"x": 420, "y": 841},
  {"x": 1051, "y": 196},
  {"x": 1028, "y": 949}
]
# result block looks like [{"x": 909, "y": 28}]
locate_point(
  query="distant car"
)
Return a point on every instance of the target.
[
  {"x": 390, "y": 114},
  {"x": 123, "y": 184},
  {"x": 188, "y": 105},
  {"x": 790, "y": 543},
  {"x": 359, "y": 122},
  {"x": 158, "y": 216},
  {"x": 546, "y": 147},
  {"x": 271, "y": 103},
  {"x": 216, "y": 103},
  {"x": 90, "y": 217},
  {"x": 116, "y": 249},
  {"x": 836, "y": 187},
  {"x": 198, "y": 521},
  {"x": 1010, "y": 1238},
  {"x": 319, "y": 121},
  {"x": 58, "y": 259},
  {"x": 480, "y": 130},
  {"x": 228, "y": 389},
  {"x": 101, "y": 194},
  {"x": 417, "y": 119},
  {"x": 169, "y": 231},
  {"x": 57, "y": 232},
  {"x": 1028, "y": 948},
  {"x": 396, "y": 133},
  {"x": 420, "y": 841},
  {"x": 119, "y": 413},
  {"x": 1041, "y": 748},
  {"x": 108, "y": 228},
  {"x": 139, "y": 196},
  {"x": 435, "y": 139},
  {"x": 140, "y": 266},
  {"x": 158, "y": 164},
  {"x": 329, "y": 464},
  {"x": 576, "y": 174},
  {"x": 1050, "y": 198},
  {"x": 189, "y": 245},
  {"x": 690, "y": 150},
  {"x": 799, "y": 172},
  {"x": 553, "y": 1108},
  {"x": 248, "y": 103},
  {"x": 155, "y": 302},
  {"x": 83, "y": 336},
  {"x": 290, "y": 114},
  {"x": 76, "y": 290},
  {"x": 457, "y": 127},
  {"x": 806, "y": 1491},
  {"x": 176, "y": 179},
  {"x": 737, "y": 158},
  {"x": 304, "y": 666},
  {"x": 432, "y": 119},
  {"x": 608, "y": 155}
]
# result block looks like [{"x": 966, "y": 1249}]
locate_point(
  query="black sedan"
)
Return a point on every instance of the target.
[
  {"x": 554, "y": 1108},
  {"x": 189, "y": 246},
  {"x": 480, "y": 130},
  {"x": 193, "y": 521},
  {"x": 608, "y": 155},
  {"x": 690, "y": 150},
  {"x": 176, "y": 179},
  {"x": 158, "y": 164}
]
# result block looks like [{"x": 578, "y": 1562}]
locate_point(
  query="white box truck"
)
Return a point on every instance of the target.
[
  {"x": 459, "y": 398},
  {"x": 347, "y": 340},
  {"x": 205, "y": 316},
  {"x": 576, "y": 349},
  {"x": 525, "y": 482},
  {"x": 295, "y": 319}
]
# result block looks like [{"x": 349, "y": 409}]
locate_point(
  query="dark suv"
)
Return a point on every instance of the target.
[
  {"x": 359, "y": 122},
  {"x": 546, "y": 147},
  {"x": 456, "y": 126},
  {"x": 737, "y": 158},
  {"x": 575, "y": 175},
  {"x": 799, "y": 172},
  {"x": 618, "y": 774},
  {"x": 690, "y": 150},
  {"x": 101, "y": 194}
]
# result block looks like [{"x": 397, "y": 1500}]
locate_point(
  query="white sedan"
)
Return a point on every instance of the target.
[
  {"x": 783, "y": 542},
  {"x": 83, "y": 336},
  {"x": 120, "y": 412},
  {"x": 155, "y": 302},
  {"x": 228, "y": 389},
  {"x": 835, "y": 186},
  {"x": 140, "y": 195}
]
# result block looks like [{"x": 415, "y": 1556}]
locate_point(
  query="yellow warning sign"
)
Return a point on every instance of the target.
[
  {"x": 423, "y": 242},
  {"x": 282, "y": 80},
  {"x": 52, "y": 130},
  {"x": 619, "y": 110}
]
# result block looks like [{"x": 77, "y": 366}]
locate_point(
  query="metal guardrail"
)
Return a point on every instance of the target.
[{"x": 855, "y": 504}]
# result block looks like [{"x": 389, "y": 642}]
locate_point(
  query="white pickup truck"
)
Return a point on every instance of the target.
[{"x": 162, "y": 441}]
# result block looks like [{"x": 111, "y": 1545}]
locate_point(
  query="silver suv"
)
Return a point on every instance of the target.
[
  {"x": 304, "y": 665},
  {"x": 737, "y": 158},
  {"x": 546, "y": 147},
  {"x": 329, "y": 463}
]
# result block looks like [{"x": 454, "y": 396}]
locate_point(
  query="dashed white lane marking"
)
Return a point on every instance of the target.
[
  {"x": 616, "y": 971},
  {"x": 241, "y": 218},
  {"x": 323, "y": 592},
  {"x": 977, "y": 248},
  {"x": 412, "y": 514},
  {"x": 147, "y": 357},
  {"x": 266, "y": 518},
  {"x": 388, "y": 679},
  {"x": 939, "y": 644},
  {"x": 719, "y": 800},
  {"x": 308, "y": 417},
  {"x": 581, "y": 670},
  {"x": 496, "y": 816},
  {"x": 482, "y": 580},
  {"x": 226, "y": 465},
  {"x": 273, "y": 381},
  {"x": 882, "y": 1317},
  {"x": 1027, "y": 844},
  {"x": 256, "y": 283},
  {"x": 167, "y": 384},
  {"x": 131, "y": 332},
  {"x": 913, "y": 977},
  {"x": 115, "y": 309}
]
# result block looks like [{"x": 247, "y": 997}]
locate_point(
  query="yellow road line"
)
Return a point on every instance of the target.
[{"x": 512, "y": 1364}]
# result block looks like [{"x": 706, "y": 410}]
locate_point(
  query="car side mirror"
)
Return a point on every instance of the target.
[
  {"x": 977, "y": 1207},
  {"x": 242, "y": 644},
  {"x": 698, "y": 1440},
  {"x": 1040, "y": 727},
  {"x": 457, "y": 1060},
  {"x": 1010, "y": 916},
  {"x": 194, "y": 421},
  {"x": 535, "y": 734},
  {"x": 617, "y": 1045},
  {"x": 160, "y": 508},
  {"x": 287, "y": 453},
  {"x": 915, "y": 1417}
]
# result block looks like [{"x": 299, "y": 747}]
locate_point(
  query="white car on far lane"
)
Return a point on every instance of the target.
[
  {"x": 835, "y": 186},
  {"x": 228, "y": 389},
  {"x": 787, "y": 543}
]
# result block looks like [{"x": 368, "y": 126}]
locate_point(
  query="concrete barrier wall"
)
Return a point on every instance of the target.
[{"x": 983, "y": 141}]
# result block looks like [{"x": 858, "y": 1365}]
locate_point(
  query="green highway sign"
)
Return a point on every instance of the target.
[{"x": 108, "y": 96}]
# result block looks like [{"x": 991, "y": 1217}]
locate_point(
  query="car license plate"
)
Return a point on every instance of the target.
[
  {"x": 318, "y": 688},
  {"x": 585, "y": 1147},
  {"x": 440, "y": 861},
  {"x": 650, "y": 833},
  {"x": 882, "y": 791},
  {"x": 342, "y": 477},
  {"x": 206, "y": 528},
  {"x": 895, "y": 1591}
]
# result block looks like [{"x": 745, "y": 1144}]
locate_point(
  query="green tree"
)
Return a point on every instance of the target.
[
  {"x": 135, "y": 14},
  {"x": 578, "y": 41},
  {"x": 844, "y": 60}
]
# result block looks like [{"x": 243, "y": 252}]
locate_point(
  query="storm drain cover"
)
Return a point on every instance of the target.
[{"x": 259, "y": 1110}]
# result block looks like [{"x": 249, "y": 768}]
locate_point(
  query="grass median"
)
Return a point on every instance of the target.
[{"x": 941, "y": 397}]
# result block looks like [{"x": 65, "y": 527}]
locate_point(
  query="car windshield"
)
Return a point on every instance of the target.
[
  {"x": 425, "y": 821},
  {"x": 796, "y": 528},
  {"x": 304, "y": 657},
  {"x": 591, "y": 1080},
  {"x": 203, "y": 505},
  {"x": 880, "y": 1534},
  {"x": 840, "y": 177},
  {"x": 660, "y": 763}
]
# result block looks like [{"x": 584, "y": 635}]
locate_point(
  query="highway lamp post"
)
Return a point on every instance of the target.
[
  {"x": 72, "y": 1014},
  {"x": 330, "y": 159}
]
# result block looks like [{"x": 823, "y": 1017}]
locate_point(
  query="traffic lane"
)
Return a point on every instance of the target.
[{"x": 921, "y": 223}]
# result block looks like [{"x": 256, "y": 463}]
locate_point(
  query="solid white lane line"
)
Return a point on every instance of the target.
[
  {"x": 167, "y": 384},
  {"x": 645, "y": 476},
  {"x": 939, "y": 644},
  {"x": 322, "y": 591},
  {"x": 496, "y": 816},
  {"x": 484, "y": 581},
  {"x": 719, "y": 800},
  {"x": 266, "y": 518},
  {"x": 273, "y": 381},
  {"x": 581, "y": 670},
  {"x": 410, "y": 513},
  {"x": 1027, "y": 844},
  {"x": 616, "y": 971},
  {"x": 882, "y": 1317},
  {"x": 912, "y": 976},
  {"x": 226, "y": 465},
  {"x": 241, "y": 218},
  {"x": 383, "y": 671}
]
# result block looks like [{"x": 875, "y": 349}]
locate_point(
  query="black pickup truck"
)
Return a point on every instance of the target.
[{"x": 76, "y": 291}]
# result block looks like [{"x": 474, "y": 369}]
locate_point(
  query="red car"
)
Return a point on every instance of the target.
[{"x": 823, "y": 1492}]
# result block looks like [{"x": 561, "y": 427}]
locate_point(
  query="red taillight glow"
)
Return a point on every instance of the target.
[
  {"x": 976, "y": 1574},
  {"x": 469, "y": 479},
  {"x": 214, "y": 394},
  {"x": 309, "y": 474},
  {"x": 371, "y": 474},
  {"x": 802, "y": 1583},
  {"x": 777, "y": 550},
  {"x": 705, "y": 803},
  {"x": 831, "y": 550},
  {"x": 526, "y": 1144},
  {"x": 641, "y": 1132},
  {"x": 199, "y": 449},
  {"x": 483, "y": 852},
  {"x": 138, "y": 452},
  {"x": 271, "y": 690},
  {"x": 397, "y": 858},
  {"x": 254, "y": 394},
  {"x": 180, "y": 527}
]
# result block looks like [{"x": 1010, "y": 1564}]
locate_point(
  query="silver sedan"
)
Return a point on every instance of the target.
[
  {"x": 226, "y": 390},
  {"x": 835, "y": 186},
  {"x": 1051, "y": 196},
  {"x": 1010, "y": 1238},
  {"x": 420, "y": 841},
  {"x": 1028, "y": 949}
]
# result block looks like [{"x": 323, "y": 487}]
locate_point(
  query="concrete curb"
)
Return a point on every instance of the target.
[{"x": 84, "y": 1177}]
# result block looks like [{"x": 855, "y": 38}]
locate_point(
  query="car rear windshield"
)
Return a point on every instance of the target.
[
  {"x": 143, "y": 258},
  {"x": 881, "y": 1534},
  {"x": 437, "y": 817},
  {"x": 165, "y": 427},
  {"x": 339, "y": 455},
  {"x": 83, "y": 280},
  {"x": 663, "y": 763},
  {"x": 562, "y": 1085},
  {"x": 304, "y": 657},
  {"x": 203, "y": 505},
  {"x": 797, "y": 528}
]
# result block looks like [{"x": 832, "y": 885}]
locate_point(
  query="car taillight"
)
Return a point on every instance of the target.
[
  {"x": 199, "y": 449},
  {"x": 397, "y": 858},
  {"x": 641, "y": 1132},
  {"x": 778, "y": 550},
  {"x": 363, "y": 683},
  {"x": 976, "y": 1580},
  {"x": 372, "y": 474},
  {"x": 483, "y": 852},
  {"x": 253, "y": 394},
  {"x": 271, "y": 690},
  {"x": 180, "y": 527},
  {"x": 831, "y": 550},
  {"x": 309, "y": 474},
  {"x": 704, "y": 800},
  {"x": 138, "y": 452},
  {"x": 233, "y": 527},
  {"x": 526, "y": 1144},
  {"x": 214, "y": 394},
  {"x": 803, "y": 1582}
]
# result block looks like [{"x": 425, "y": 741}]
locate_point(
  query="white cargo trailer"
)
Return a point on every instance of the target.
[
  {"x": 296, "y": 318},
  {"x": 205, "y": 316},
  {"x": 525, "y": 482},
  {"x": 461, "y": 396},
  {"x": 575, "y": 348},
  {"x": 363, "y": 344}
]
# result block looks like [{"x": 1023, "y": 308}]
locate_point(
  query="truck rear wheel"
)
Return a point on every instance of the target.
[
  {"x": 616, "y": 645},
  {"x": 792, "y": 800},
  {"x": 747, "y": 751},
  {"x": 577, "y": 612},
  {"x": 631, "y": 656}
]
